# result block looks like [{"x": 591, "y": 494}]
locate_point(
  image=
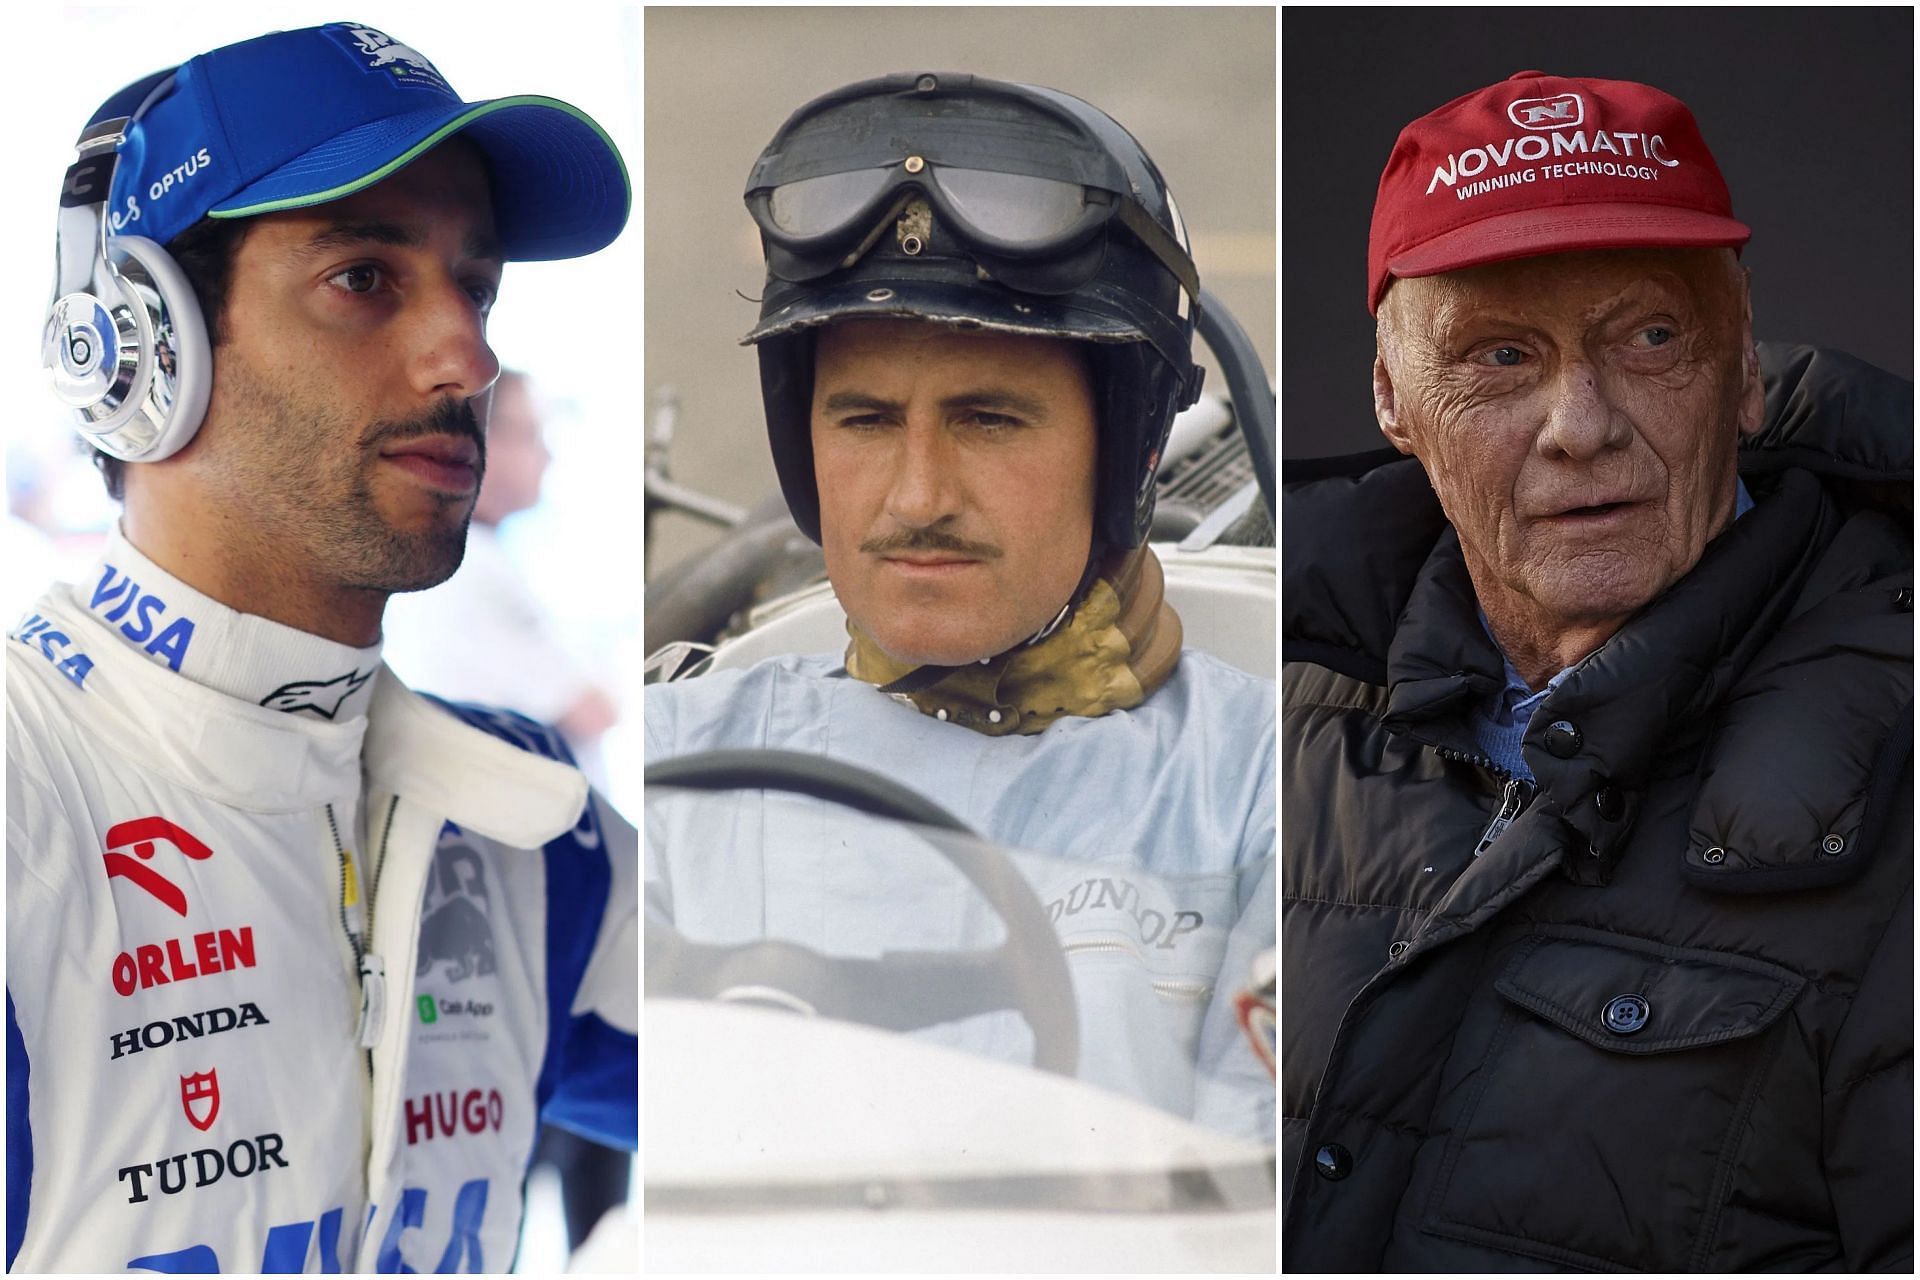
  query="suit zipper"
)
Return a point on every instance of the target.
[
  {"x": 346, "y": 885},
  {"x": 371, "y": 968}
]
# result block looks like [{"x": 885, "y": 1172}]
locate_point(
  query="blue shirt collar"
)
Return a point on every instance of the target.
[{"x": 1499, "y": 722}]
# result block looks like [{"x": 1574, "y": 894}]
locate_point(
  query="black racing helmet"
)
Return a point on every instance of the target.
[{"x": 983, "y": 204}]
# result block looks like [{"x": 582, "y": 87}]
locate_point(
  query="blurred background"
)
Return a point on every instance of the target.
[
  {"x": 1194, "y": 85},
  {"x": 1808, "y": 112},
  {"x": 581, "y": 530}
]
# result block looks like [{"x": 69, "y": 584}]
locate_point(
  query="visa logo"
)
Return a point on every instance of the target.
[
  {"x": 36, "y": 630},
  {"x": 291, "y": 1246},
  {"x": 139, "y": 615}
]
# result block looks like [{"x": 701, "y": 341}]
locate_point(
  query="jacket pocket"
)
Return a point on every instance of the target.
[{"x": 1600, "y": 1127}]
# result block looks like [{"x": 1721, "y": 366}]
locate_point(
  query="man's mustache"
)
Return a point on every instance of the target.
[
  {"x": 930, "y": 540},
  {"x": 448, "y": 418}
]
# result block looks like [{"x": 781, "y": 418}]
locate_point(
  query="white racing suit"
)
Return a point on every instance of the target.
[
  {"x": 1156, "y": 827},
  {"x": 289, "y": 992}
]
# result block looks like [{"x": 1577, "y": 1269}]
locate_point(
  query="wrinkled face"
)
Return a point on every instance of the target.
[
  {"x": 1577, "y": 415},
  {"x": 342, "y": 435},
  {"x": 956, "y": 479}
]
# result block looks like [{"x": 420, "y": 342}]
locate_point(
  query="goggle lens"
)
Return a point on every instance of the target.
[
  {"x": 1013, "y": 217},
  {"x": 1012, "y": 208},
  {"x": 1007, "y": 209},
  {"x": 816, "y": 206}
]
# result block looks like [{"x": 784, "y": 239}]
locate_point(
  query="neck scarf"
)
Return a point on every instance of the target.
[{"x": 1119, "y": 645}]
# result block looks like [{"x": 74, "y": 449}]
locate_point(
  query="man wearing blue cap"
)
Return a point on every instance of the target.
[{"x": 407, "y": 941}]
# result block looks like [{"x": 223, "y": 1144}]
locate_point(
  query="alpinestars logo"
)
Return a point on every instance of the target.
[
  {"x": 322, "y": 697},
  {"x": 143, "y": 835},
  {"x": 200, "y": 1099}
]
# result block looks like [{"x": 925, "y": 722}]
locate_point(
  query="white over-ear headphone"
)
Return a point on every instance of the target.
[{"x": 125, "y": 341}]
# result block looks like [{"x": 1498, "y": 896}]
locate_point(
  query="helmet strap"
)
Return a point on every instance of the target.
[{"x": 932, "y": 673}]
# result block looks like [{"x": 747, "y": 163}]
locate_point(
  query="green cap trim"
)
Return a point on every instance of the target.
[{"x": 427, "y": 143}]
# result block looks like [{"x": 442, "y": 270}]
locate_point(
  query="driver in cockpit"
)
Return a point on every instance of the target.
[{"x": 976, "y": 331}]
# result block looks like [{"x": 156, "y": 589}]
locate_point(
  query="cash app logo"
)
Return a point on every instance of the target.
[{"x": 428, "y": 1011}]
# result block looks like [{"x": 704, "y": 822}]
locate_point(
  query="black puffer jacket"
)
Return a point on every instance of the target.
[{"x": 1662, "y": 1022}]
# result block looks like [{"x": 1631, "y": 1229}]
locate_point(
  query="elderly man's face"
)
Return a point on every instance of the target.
[{"x": 1577, "y": 415}]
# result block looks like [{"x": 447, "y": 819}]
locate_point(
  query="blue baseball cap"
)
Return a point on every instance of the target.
[{"x": 298, "y": 118}]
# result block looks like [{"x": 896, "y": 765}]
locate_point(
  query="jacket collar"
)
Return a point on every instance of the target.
[
  {"x": 417, "y": 749},
  {"x": 1440, "y": 659},
  {"x": 1647, "y": 688},
  {"x": 265, "y": 761},
  {"x": 239, "y": 654},
  {"x": 1655, "y": 682}
]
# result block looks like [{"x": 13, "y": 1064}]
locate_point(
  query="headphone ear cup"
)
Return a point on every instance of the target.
[{"x": 166, "y": 400}]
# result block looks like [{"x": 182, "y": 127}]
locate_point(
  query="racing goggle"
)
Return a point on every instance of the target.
[{"x": 1037, "y": 225}]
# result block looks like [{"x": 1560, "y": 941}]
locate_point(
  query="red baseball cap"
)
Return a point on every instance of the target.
[{"x": 1545, "y": 164}]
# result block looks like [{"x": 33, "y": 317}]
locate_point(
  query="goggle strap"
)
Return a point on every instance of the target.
[
  {"x": 881, "y": 226},
  {"x": 1162, "y": 245}
]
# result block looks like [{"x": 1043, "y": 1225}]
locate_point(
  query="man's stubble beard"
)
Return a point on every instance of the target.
[{"x": 302, "y": 483}]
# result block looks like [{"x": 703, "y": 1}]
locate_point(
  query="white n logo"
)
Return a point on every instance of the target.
[{"x": 1557, "y": 112}]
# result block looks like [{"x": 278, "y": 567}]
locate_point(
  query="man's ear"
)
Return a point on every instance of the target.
[
  {"x": 1753, "y": 393},
  {"x": 1386, "y": 408}
]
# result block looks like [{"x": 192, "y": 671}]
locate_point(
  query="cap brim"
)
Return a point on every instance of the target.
[
  {"x": 560, "y": 188},
  {"x": 1567, "y": 229},
  {"x": 967, "y": 307}
]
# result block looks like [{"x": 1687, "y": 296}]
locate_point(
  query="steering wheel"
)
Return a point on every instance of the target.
[{"x": 900, "y": 990}]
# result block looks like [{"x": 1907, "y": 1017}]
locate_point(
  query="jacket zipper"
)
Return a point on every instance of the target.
[
  {"x": 1513, "y": 802},
  {"x": 1514, "y": 798}
]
